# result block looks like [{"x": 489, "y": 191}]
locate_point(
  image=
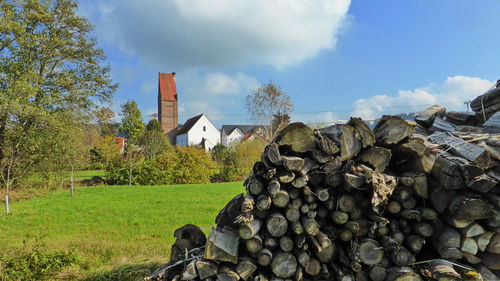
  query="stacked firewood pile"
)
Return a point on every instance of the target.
[
  {"x": 488, "y": 104},
  {"x": 404, "y": 201},
  {"x": 484, "y": 119}
]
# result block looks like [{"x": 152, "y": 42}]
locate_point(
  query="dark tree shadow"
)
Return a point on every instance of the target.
[{"x": 128, "y": 272}]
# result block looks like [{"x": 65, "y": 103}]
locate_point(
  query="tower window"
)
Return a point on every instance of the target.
[{"x": 204, "y": 128}]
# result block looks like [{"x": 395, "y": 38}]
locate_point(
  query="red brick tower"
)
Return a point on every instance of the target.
[{"x": 167, "y": 105}]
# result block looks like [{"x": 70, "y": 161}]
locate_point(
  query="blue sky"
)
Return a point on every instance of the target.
[{"x": 335, "y": 58}]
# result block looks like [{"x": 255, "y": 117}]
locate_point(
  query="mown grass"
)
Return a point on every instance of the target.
[
  {"x": 82, "y": 175},
  {"x": 41, "y": 188},
  {"x": 119, "y": 232},
  {"x": 78, "y": 175}
]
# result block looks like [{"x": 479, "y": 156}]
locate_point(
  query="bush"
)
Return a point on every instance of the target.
[
  {"x": 144, "y": 172},
  {"x": 246, "y": 154},
  {"x": 236, "y": 163},
  {"x": 35, "y": 264},
  {"x": 187, "y": 165},
  {"x": 179, "y": 165}
]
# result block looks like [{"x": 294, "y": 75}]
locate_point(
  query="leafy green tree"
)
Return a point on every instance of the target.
[
  {"x": 105, "y": 151},
  {"x": 133, "y": 158},
  {"x": 50, "y": 68},
  {"x": 75, "y": 151},
  {"x": 132, "y": 125},
  {"x": 153, "y": 142},
  {"x": 154, "y": 125}
]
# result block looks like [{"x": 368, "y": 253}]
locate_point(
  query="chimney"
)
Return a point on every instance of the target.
[{"x": 167, "y": 105}]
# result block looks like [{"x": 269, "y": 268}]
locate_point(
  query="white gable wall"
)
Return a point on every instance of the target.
[
  {"x": 235, "y": 136},
  {"x": 196, "y": 134}
]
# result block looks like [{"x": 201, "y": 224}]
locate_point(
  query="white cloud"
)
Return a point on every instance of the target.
[
  {"x": 196, "y": 33},
  {"x": 321, "y": 119},
  {"x": 222, "y": 84},
  {"x": 450, "y": 94},
  {"x": 215, "y": 94}
]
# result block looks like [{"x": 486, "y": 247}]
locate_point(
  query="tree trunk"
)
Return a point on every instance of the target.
[
  {"x": 286, "y": 243},
  {"x": 130, "y": 174},
  {"x": 246, "y": 268},
  {"x": 249, "y": 230},
  {"x": 426, "y": 117},
  {"x": 254, "y": 245},
  {"x": 276, "y": 225},
  {"x": 284, "y": 265},
  {"x": 206, "y": 268},
  {"x": 377, "y": 273},
  {"x": 72, "y": 188},
  {"x": 367, "y": 136},
  {"x": 265, "y": 257},
  {"x": 442, "y": 270},
  {"x": 293, "y": 163},
  {"x": 350, "y": 143},
  {"x": 281, "y": 199},
  {"x": 370, "y": 252},
  {"x": 392, "y": 130},
  {"x": 313, "y": 267},
  {"x": 377, "y": 157},
  {"x": 7, "y": 204}
]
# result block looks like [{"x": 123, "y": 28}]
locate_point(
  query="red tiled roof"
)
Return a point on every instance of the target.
[{"x": 166, "y": 86}]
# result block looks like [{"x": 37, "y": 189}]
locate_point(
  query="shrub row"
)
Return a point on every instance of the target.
[
  {"x": 186, "y": 165},
  {"x": 179, "y": 165}
]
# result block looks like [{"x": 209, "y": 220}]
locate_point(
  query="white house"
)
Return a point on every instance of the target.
[
  {"x": 236, "y": 133},
  {"x": 198, "y": 130}
]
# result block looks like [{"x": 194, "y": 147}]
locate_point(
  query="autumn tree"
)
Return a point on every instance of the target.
[
  {"x": 132, "y": 125},
  {"x": 105, "y": 150},
  {"x": 270, "y": 107},
  {"x": 105, "y": 121},
  {"x": 50, "y": 68}
]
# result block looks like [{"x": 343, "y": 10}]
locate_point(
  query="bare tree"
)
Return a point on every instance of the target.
[{"x": 271, "y": 107}]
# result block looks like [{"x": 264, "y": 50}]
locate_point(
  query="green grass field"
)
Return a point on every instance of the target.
[
  {"x": 119, "y": 232},
  {"x": 81, "y": 175}
]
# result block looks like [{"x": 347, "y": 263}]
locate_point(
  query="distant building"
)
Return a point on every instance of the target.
[
  {"x": 120, "y": 141},
  {"x": 236, "y": 133},
  {"x": 198, "y": 131},
  {"x": 167, "y": 105}
]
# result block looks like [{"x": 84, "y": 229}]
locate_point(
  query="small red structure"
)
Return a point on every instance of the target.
[{"x": 121, "y": 143}]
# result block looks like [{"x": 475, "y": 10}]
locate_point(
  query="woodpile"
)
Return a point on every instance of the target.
[
  {"x": 404, "y": 201},
  {"x": 488, "y": 104}
]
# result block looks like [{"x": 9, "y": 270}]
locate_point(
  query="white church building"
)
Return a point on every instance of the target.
[{"x": 198, "y": 131}]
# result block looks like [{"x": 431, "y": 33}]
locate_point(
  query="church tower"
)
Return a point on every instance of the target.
[{"x": 167, "y": 105}]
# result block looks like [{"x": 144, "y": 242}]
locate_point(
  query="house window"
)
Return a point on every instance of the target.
[{"x": 204, "y": 128}]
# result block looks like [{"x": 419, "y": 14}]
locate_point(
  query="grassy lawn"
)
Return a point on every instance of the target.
[
  {"x": 118, "y": 231},
  {"x": 82, "y": 175},
  {"x": 42, "y": 189}
]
